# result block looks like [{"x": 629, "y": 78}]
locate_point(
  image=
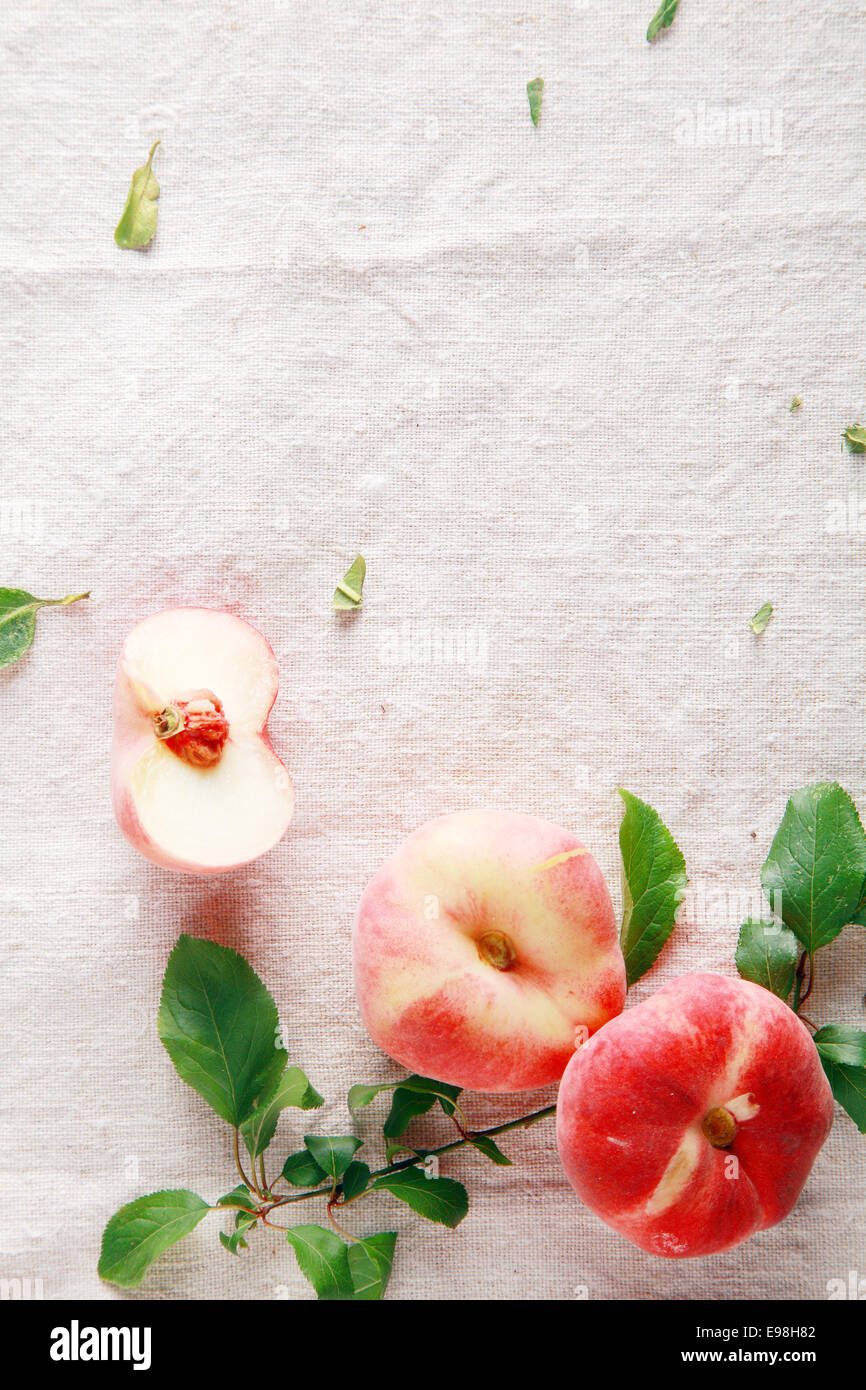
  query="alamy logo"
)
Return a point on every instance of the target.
[
  {"x": 77, "y": 1343},
  {"x": 15, "y": 1290},
  {"x": 23, "y": 519},
  {"x": 419, "y": 645},
  {"x": 708, "y": 127},
  {"x": 853, "y": 1287}
]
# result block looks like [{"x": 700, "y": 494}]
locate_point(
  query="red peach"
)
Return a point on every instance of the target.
[{"x": 692, "y": 1120}]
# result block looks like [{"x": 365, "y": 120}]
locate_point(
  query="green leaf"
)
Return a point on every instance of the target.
[
  {"x": 349, "y": 592},
  {"x": 855, "y": 438},
  {"x": 795, "y": 404},
  {"x": 362, "y": 1095},
  {"x": 140, "y": 1232},
  {"x": 405, "y": 1106},
  {"x": 234, "y": 1242},
  {"x": 439, "y": 1199},
  {"x": 393, "y": 1151},
  {"x": 534, "y": 90},
  {"x": 654, "y": 880},
  {"x": 291, "y": 1089},
  {"x": 415, "y": 1096},
  {"x": 138, "y": 220},
  {"x": 218, "y": 1024},
  {"x": 239, "y": 1196},
  {"x": 445, "y": 1094},
  {"x": 355, "y": 1179},
  {"x": 662, "y": 19},
  {"x": 332, "y": 1153},
  {"x": 302, "y": 1170},
  {"x": 767, "y": 955},
  {"x": 813, "y": 876},
  {"x": 370, "y": 1262},
  {"x": 761, "y": 618},
  {"x": 18, "y": 620},
  {"x": 323, "y": 1259},
  {"x": 490, "y": 1150},
  {"x": 843, "y": 1056}
]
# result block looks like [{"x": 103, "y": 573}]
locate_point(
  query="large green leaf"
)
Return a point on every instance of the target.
[
  {"x": 292, "y": 1089},
  {"x": 843, "y": 1056},
  {"x": 354, "y": 1180},
  {"x": 219, "y": 1026},
  {"x": 370, "y": 1262},
  {"x": 767, "y": 955},
  {"x": 140, "y": 1232},
  {"x": 439, "y": 1199},
  {"x": 332, "y": 1153},
  {"x": 654, "y": 881},
  {"x": 302, "y": 1170},
  {"x": 813, "y": 876},
  {"x": 323, "y": 1259}
]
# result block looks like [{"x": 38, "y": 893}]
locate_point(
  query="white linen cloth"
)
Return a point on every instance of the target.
[{"x": 540, "y": 379}]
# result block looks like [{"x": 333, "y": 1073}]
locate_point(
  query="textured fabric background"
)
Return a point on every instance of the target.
[{"x": 541, "y": 379}]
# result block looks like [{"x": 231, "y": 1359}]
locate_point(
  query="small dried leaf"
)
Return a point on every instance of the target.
[
  {"x": 138, "y": 221},
  {"x": 534, "y": 90}
]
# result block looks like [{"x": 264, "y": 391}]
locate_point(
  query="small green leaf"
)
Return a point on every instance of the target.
[
  {"x": 843, "y": 1056},
  {"x": 332, "y": 1153},
  {"x": 370, "y": 1262},
  {"x": 761, "y": 618},
  {"x": 18, "y": 620},
  {"x": 662, "y": 19},
  {"x": 234, "y": 1242},
  {"x": 813, "y": 876},
  {"x": 654, "y": 881},
  {"x": 291, "y": 1089},
  {"x": 855, "y": 438},
  {"x": 394, "y": 1151},
  {"x": 415, "y": 1096},
  {"x": 239, "y": 1198},
  {"x": 362, "y": 1095},
  {"x": 427, "y": 1085},
  {"x": 439, "y": 1199},
  {"x": 218, "y": 1024},
  {"x": 302, "y": 1170},
  {"x": 349, "y": 592},
  {"x": 138, "y": 220},
  {"x": 140, "y": 1232},
  {"x": 767, "y": 955},
  {"x": 490, "y": 1150},
  {"x": 795, "y": 404},
  {"x": 405, "y": 1106},
  {"x": 322, "y": 1259},
  {"x": 354, "y": 1180},
  {"x": 534, "y": 90}
]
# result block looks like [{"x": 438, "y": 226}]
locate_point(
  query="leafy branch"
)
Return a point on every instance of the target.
[
  {"x": 220, "y": 1027},
  {"x": 814, "y": 878}
]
